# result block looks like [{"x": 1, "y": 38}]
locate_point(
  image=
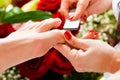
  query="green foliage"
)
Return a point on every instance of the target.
[
  {"x": 104, "y": 23},
  {"x": 16, "y": 15},
  {"x": 83, "y": 76},
  {"x": 12, "y": 74},
  {"x": 26, "y": 16}
]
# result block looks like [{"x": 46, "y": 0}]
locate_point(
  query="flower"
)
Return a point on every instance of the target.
[
  {"x": 49, "y": 5},
  {"x": 61, "y": 65},
  {"x": 36, "y": 68},
  {"x": 5, "y": 30},
  {"x": 19, "y": 3},
  {"x": 58, "y": 15}
]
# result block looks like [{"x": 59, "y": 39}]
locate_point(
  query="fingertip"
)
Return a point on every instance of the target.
[
  {"x": 88, "y": 36},
  {"x": 49, "y": 24},
  {"x": 64, "y": 13},
  {"x": 68, "y": 35},
  {"x": 58, "y": 22},
  {"x": 78, "y": 13},
  {"x": 81, "y": 8},
  {"x": 76, "y": 16}
]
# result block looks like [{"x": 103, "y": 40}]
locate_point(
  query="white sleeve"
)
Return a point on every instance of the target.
[{"x": 116, "y": 7}]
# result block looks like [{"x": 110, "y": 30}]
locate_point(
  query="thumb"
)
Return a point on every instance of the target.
[
  {"x": 64, "y": 8},
  {"x": 81, "y": 7},
  {"x": 74, "y": 42}
]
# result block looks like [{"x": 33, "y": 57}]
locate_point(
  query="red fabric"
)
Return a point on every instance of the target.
[{"x": 49, "y": 5}]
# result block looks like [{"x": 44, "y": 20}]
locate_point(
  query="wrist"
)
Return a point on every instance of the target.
[{"x": 3, "y": 50}]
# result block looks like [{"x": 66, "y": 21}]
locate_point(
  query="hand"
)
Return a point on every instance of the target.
[
  {"x": 88, "y": 55},
  {"x": 84, "y": 7},
  {"x": 34, "y": 35},
  {"x": 29, "y": 42}
]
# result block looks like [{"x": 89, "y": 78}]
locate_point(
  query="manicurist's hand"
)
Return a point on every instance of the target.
[
  {"x": 88, "y": 55},
  {"x": 84, "y": 8}
]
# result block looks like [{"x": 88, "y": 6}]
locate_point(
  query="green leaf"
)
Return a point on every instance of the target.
[
  {"x": 26, "y": 16},
  {"x": 2, "y": 12},
  {"x": 16, "y": 10},
  {"x": 12, "y": 12}
]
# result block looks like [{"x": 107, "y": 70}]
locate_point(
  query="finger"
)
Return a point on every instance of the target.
[
  {"x": 81, "y": 7},
  {"x": 64, "y": 9},
  {"x": 70, "y": 54},
  {"x": 91, "y": 35},
  {"x": 74, "y": 42},
  {"x": 16, "y": 26},
  {"x": 65, "y": 50},
  {"x": 26, "y": 26},
  {"x": 48, "y": 24},
  {"x": 53, "y": 37},
  {"x": 88, "y": 36},
  {"x": 42, "y": 26},
  {"x": 92, "y": 9}
]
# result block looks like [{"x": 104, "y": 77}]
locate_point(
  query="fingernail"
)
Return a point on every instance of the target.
[
  {"x": 85, "y": 18},
  {"x": 96, "y": 33},
  {"x": 92, "y": 31},
  {"x": 70, "y": 18},
  {"x": 68, "y": 35},
  {"x": 95, "y": 36}
]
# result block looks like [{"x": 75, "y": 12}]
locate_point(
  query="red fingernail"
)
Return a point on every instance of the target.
[
  {"x": 96, "y": 33},
  {"x": 95, "y": 36},
  {"x": 70, "y": 18},
  {"x": 92, "y": 31},
  {"x": 68, "y": 35},
  {"x": 85, "y": 18}
]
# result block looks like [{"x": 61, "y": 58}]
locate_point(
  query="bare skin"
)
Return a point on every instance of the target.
[{"x": 84, "y": 7}]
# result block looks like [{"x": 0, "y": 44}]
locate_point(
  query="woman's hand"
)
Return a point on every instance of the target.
[
  {"x": 84, "y": 7},
  {"x": 87, "y": 55},
  {"x": 29, "y": 42}
]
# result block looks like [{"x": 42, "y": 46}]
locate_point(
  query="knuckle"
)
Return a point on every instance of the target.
[
  {"x": 75, "y": 60},
  {"x": 77, "y": 67},
  {"x": 73, "y": 42}
]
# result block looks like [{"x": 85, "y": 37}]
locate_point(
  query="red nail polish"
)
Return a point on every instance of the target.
[
  {"x": 68, "y": 35},
  {"x": 85, "y": 18},
  {"x": 95, "y": 36},
  {"x": 96, "y": 33},
  {"x": 70, "y": 18},
  {"x": 92, "y": 31}
]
